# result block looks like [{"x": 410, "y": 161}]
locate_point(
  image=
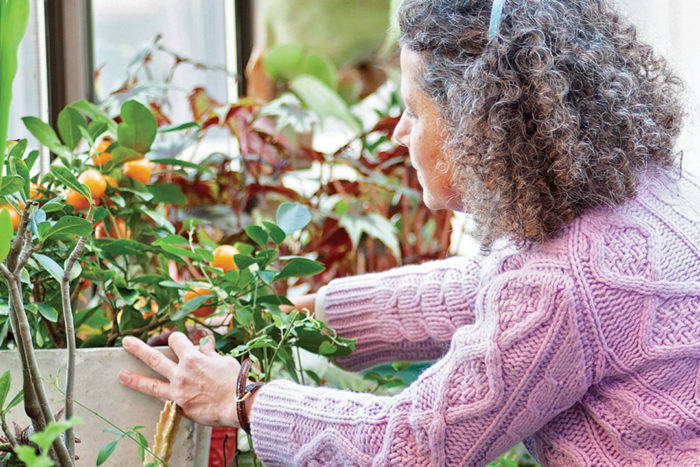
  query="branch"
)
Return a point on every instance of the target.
[
  {"x": 18, "y": 240},
  {"x": 70, "y": 338},
  {"x": 8, "y": 434},
  {"x": 34, "y": 387}
]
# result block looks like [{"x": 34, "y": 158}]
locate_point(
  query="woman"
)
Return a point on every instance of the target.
[{"x": 576, "y": 327}]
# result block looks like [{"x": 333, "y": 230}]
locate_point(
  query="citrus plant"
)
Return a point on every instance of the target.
[{"x": 93, "y": 256}]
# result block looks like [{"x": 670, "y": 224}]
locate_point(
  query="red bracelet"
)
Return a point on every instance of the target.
[{"x": 243, "y": 393}]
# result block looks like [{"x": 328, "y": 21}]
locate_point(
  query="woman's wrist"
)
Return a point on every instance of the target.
[{"x": 249, "y": 405}]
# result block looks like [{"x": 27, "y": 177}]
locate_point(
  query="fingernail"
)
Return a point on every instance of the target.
[
  {"x": 127, "y": 341},
  {"x": 123, "y": 377}
]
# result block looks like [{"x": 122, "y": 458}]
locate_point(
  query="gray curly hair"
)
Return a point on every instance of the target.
[{"x": 559, "y": 113}]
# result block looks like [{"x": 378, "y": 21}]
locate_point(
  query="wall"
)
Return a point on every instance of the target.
[{"x": 671, "y": 27}]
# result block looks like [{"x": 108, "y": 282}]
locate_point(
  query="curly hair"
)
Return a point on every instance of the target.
[{"x": 561, "y": 112}]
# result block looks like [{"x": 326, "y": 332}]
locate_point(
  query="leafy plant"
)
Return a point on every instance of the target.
[{"x": 14, "y": 16}]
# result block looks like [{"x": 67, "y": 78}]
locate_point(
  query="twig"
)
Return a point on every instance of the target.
[
  {"x": 70, "y": 337},
  {"x": 10, "y": 437},
  {"x": 34, "y": 388}
]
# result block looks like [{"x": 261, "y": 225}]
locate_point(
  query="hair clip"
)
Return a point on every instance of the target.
[{"x": 496, "y": 13}]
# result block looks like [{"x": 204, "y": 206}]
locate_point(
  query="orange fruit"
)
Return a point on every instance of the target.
[
  {"x": 139, "y": 169},
  {"x": 15, "y": 216},
  {"x": 35, "y": 191},
  {"x": 95, "y": 181},
  {"x": 101, "y": 157},
  {"x": 111, "y": 181},
  {"x": 76, "y": 200},
  {"x": 223, "y": 257},
  {"x": 119, "y": 232},
  {"x": 197, "y": 291}
]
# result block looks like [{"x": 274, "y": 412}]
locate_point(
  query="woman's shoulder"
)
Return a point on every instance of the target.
[{"x": 651, "y": 236}]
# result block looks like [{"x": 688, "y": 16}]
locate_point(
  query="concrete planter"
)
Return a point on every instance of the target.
[{"x": 97, "y": 387}]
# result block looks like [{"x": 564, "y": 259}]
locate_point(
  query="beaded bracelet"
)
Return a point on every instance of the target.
[{"x": 243, "y": 393}]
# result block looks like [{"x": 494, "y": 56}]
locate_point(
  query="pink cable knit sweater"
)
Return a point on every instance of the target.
[{"x": 587, "y": 347}]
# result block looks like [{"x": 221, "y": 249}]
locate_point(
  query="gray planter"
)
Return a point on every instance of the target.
[{"x": 97, "y": 386}]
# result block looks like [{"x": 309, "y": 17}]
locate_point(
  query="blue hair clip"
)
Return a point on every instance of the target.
[{"x": 496, "y": 13}]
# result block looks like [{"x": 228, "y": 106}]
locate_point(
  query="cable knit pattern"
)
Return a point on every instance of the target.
[{"x": 587, "y": 347}]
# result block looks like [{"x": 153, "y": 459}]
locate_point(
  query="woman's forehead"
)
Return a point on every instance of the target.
[{"x": 410, "y": 65}]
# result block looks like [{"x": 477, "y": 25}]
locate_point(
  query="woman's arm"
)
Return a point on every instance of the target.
[
  {"x": 408, "y": 313},
  {"x": 517, "y": 366}
]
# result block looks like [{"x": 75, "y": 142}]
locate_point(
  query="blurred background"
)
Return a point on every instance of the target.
[{"x": 88, "y": 48}]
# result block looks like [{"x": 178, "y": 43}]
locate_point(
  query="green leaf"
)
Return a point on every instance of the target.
[
  {"x": 46, "y": 136},
  {"x": 105, "y": 452},
  {"x": 323, "y": 100},
  {"x": 11, "y": 184},
  {"x": 186, "y": 164},
  {"x": 18, "y": 149},
  {"x": 300, "y": 267},
  {"x": 70, "y": 225},
  {"x": 292, "y": 217},
  {"x": 327, "y": 348},
  {"x": 5, "y": 381},
  {"x": 14, "y": 17},
  {"x": 95, "y": 114},
  {"x": 122, "y": 154},
  {"x": 53, "y": 205},
  {"x": 6, "y": 232},
  {"x": 31, "y": 159},
  {"x": 124, "y": 246},
  {"x": 322, "y": 68},
  {"x": 283, "y": 62},
  {"x": 95, "y": 129},
  {"x": 160, "y": 220},
  {"x": 69, "y": 122},
  {"x": 138, "y": 128},
  {"x": 257, "y": 234},
  {"x": 374, "y": 225},
  {"x": 244, "y": 317},
  {"x": 276, "y": 233},
  {"x": 266, "y": 276},
  {"x": 190, "y": 305},
  {"x": 243, "y": 261},
  {"x": 19, "y": 397},
  {"x": 51, "y": 266},
  {"x": 19, "y": 167},
  {"x": 66, "y": 177},
  {"x": 167, "y": 193},
  {"x": 52, "y": 431},
  {"x": 142, "y": 443},
  {"x": 27, "y": 455},
  {"x": 48, "y": 312},
  {"x": 183, "y": 126},
  {"x": 174, "y": 285}
]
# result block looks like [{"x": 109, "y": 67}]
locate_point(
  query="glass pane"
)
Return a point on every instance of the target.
[
  {"x": 28, "y": 91},
  {"x": 194, "y": 30}
]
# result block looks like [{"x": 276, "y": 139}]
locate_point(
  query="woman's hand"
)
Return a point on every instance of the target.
[
  {"x": 303, "y": 301},
  {"x": 202, "y": 382}
]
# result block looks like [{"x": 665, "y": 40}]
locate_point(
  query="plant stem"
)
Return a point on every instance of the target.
[
  {"x": 301, "y": 370},
  {"x": 8, "y": 434},
  {"x": 288, "y": 331},
  {"x": 116, "y": 427},
  {"x": 70, "y": 338},
  {"x": 34, "y": 388}
]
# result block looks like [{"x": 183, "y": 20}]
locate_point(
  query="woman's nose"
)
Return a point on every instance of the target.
[{"x": 402, "y": 131}]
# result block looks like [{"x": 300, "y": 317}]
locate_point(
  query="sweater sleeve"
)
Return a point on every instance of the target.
[
  {"x": 408, "y": 313},
  {"x": 518, "y": 365}
]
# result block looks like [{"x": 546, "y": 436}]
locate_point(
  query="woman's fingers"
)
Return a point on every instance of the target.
[
  {"x": 150, "y": 356},
  {"x": 207, "y": 346},
  {"x": 180, "y": 344},
  {"x": 150, "y": 386}
]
